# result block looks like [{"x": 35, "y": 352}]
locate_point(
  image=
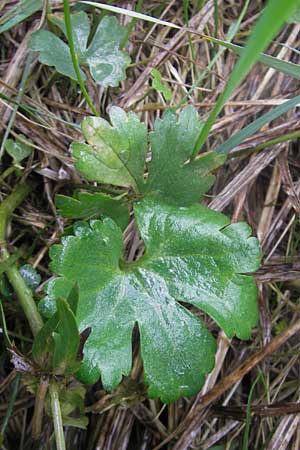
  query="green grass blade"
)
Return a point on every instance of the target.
[
  {"x": 250, "y": 129},
  {"x": 282, "y": 66},
  {"x": 269, "y": 23},
  {"x": 23, "y": 10}
]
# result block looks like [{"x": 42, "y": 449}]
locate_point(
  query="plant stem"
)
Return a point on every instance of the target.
[
  {"x": 21, "y": 289},
  {"x": 69, "y": 32},
  {"x": 56, "y": 416},
  {"x": 40, "y": 397}
]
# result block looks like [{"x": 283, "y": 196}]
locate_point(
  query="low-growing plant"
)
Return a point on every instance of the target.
[{"x": 192, "y": 255}]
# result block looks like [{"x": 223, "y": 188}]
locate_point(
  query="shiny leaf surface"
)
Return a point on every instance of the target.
[
  {"x": 116, "y": 155},
  {"x": 192, "y": 255},
  {"x": 172, "y": 175}
]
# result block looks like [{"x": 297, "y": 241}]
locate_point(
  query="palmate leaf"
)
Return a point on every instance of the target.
[
  {"x": 192, "y": 255},
  {"x": 116, "y": 155},
  {"x": 107, "y": 63}
]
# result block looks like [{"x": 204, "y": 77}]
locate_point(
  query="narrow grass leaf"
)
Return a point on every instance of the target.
[
  {"x": 134, "y": 14},
  {"x": 271, "y": 61},
  {"x": 273, "y": 17},
  {"x": 24, "y": 10},
  {"x": 249, "y": 130}
]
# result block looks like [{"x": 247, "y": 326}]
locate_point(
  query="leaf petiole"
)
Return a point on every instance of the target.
[{"x": 68, "y": 22}]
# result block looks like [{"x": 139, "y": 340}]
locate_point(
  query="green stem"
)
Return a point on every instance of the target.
[
  {"x": 69, "y": 32},
  {"x": 39, "y": 404},
  {"x": 21, "y": 289},
  {"x": 56, "y": 416}
]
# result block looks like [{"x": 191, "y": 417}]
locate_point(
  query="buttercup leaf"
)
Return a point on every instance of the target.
[
  {"x": 106, "y": 61},
  {"x": 172, "y": 176},
  {"x": 193, "y": 255},
  {"x": 115, "y": 154},
  {"x": 53, "y": 52}
]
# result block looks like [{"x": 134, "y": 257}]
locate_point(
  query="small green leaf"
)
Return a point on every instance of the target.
[
  {"x": 158, "y": 85},
  {"x": 172, "y": 175},
  {"x": 92, "y": 205},
  {"x": 24, "y": 9},
  {"x": 53, "y": 52},
  {"x": 43, "y": 344},
  {"x": 193, "y": 255},
  {"x": 106, "y": 61},
  {"x": 115, "y": 154},
  {"x": 66, "y": 339},
  {"x": 56, "y": 345},
  {"x": 17, "y": 150},
  {"x": 31, "y": 277}
]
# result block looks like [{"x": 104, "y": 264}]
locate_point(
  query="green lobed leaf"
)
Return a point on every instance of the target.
[
  {"x": 106, "y": 61},
  {"x": 193, "y": 255},
  {"x": 92, "y": 205},
  {"x": 115, "y": 154},
  {"x": 173, "y": 176},
  {"x": 53, "y": 52}
]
